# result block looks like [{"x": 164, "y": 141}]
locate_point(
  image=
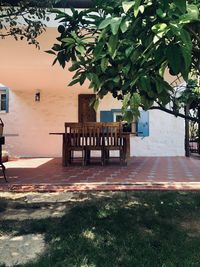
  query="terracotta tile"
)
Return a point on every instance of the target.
[{"x": 166, "y": 173}]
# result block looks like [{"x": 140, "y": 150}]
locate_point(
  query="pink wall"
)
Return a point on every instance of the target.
[{"x": 24, "y": 69}]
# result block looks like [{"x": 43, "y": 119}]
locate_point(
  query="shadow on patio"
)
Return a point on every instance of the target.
[{"x": 47, "y": 174}]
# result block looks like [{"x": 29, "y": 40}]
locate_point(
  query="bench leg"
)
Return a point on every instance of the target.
[{"x": 4, "y": 172}]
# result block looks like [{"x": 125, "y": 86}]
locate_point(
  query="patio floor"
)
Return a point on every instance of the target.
[{"x": 48, "y": 175}]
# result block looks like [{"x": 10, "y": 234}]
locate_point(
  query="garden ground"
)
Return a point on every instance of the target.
[{"x": 100, "y": 229}]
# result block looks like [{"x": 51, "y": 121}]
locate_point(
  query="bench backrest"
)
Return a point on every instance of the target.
[
  {"x": 113, "y": 134},
  {"x": 74, "y": 134},
  {"x": 93, "y": 133}
]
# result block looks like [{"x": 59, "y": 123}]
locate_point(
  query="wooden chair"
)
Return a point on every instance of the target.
[
  {"x": 74, "y": 140},
  {"x": 93, "y": 140},
  {"x": 113, "y": 140}
]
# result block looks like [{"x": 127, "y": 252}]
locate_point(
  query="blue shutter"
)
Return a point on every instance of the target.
[
  {"x": 106, "y": 116},
  {"x": 116, "y": 110},
  {"x": 7, "y": 100},
  {"x": 143, "y": 124}
]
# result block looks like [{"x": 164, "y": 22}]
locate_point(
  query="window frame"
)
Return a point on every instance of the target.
[{"x": 5, "y": 90}]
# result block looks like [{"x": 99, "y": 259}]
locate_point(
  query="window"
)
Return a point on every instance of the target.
[
  {"x": 3, "y": 99},
  {"x": 117, "y": 116},
  {"x": 128, "y": 127},
  {"x": 141, "y": 126}
]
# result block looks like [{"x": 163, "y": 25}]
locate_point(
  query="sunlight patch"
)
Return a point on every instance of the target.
[
  {"x": 27, "y": 163},
  {"x": 51, "y": 211},
  {"x": 89, "y": 234}
]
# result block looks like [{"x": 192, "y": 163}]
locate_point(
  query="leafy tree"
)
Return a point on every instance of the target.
[
  {"x": 125, "y": 47},
  {"x": 24, "y": 19}
]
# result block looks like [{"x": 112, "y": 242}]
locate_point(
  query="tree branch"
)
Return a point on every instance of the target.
[
  {"x": 177, "y": 114},
  {"x": 194, "y": 34}
]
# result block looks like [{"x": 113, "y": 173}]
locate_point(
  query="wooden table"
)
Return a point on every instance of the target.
[{"x": 126, "y": 145}]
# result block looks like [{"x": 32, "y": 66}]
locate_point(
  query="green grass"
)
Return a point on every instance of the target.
[{"x": 131, "y": 229}]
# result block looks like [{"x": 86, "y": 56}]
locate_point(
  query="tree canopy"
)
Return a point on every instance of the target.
[
  {"x": 24, "y": 19},
  {"x": 125, "y": 47}
]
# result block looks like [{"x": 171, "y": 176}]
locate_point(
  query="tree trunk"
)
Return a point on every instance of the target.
[
  {"x": 198, "y": 131},
  {"x": 187, "y": 137}
]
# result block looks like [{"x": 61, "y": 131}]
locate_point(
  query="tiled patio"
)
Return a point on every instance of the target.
[{"x": 47, "y": 174}]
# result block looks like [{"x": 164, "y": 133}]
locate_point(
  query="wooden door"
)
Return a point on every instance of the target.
[{"x": 86, "y": 113}]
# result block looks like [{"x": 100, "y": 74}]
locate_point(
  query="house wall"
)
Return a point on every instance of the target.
[{"x": 24, "y": 69}]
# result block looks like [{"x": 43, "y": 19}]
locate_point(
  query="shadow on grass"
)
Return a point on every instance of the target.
[{"x": 127, "y": 229}]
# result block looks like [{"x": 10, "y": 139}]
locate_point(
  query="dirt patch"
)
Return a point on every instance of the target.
[{"x": 20, "y": 249}]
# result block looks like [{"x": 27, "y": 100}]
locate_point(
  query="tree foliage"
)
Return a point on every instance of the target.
[
  {"x": 125, "y": 47},
  {"x": 24, "y": 19}
]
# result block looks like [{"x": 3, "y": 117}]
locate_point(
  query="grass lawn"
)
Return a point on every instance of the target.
[{"x": 129, "y": 229}]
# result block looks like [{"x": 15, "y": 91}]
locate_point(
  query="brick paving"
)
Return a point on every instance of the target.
[{"x": 48, "y": 175}]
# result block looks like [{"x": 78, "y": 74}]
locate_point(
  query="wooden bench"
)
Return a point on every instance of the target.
[{"x": 93, "y": 136}]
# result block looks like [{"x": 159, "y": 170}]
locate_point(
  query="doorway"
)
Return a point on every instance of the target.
[{"x": 86, "y": 113}]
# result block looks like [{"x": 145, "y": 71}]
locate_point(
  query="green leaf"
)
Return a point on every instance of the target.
[
  {"x": 74, "y": 82},
  {"x": 124, "y": 26},
  {"x": 54, "y": 62},
  {"x": 56, "y": 47},
  {"x": 68, "y": 40},
  {"x": 160, "y": 27},
  {"x": 50, "y": 52},
  {"x": 165, "y": 96},
  {"x": 116, "y": 79},
  {"x": 173, "y": 53},
  {"x": 160, "y": 13},
  {"x": 105, "y": 23},
  {"x": 145, "y": 83},
  {"x": 136, "y": 7},
  {"x": 187, "y": 57},
  {"x": 135, "y": 101},
  {"x": 115, "y": 23},
  {"x": 104, "y": 63},
  {"x": 126, "y": 101},
  {"x": 126, "y": 68},
  {"x": 128, "y": 51},
  {"x": 112, "y": 44},
  {"x": 74, "y": 67},
  {"x": 181, "y": 5},
  {"x": 82, "y": 78},
  {"x": 191, "y": 15},
  {"x": 186, "y": 38},
  {"x": 127, "y": 5},
  {"x": 98, "y": 50},
  {"x": 96, "y": 104},
  {"x": 146, "y": 102},
  {"x": 128, "y": 116},
  {"x": 95, "y": 80},
  {"x": 80, "y": 49},
  {"x": 141, "y": 8},
  {"x": 160, "y": 30},
  {"x": 159, "y": 85},
  {"x": 162, "y": 69},
  {"x": 102, "y": 34}
]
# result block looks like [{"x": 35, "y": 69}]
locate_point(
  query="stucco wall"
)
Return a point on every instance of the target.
[{"x": 24, "y": 70}]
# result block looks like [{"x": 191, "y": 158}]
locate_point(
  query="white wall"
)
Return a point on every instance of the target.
[{"x": 166, "y": 137}]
